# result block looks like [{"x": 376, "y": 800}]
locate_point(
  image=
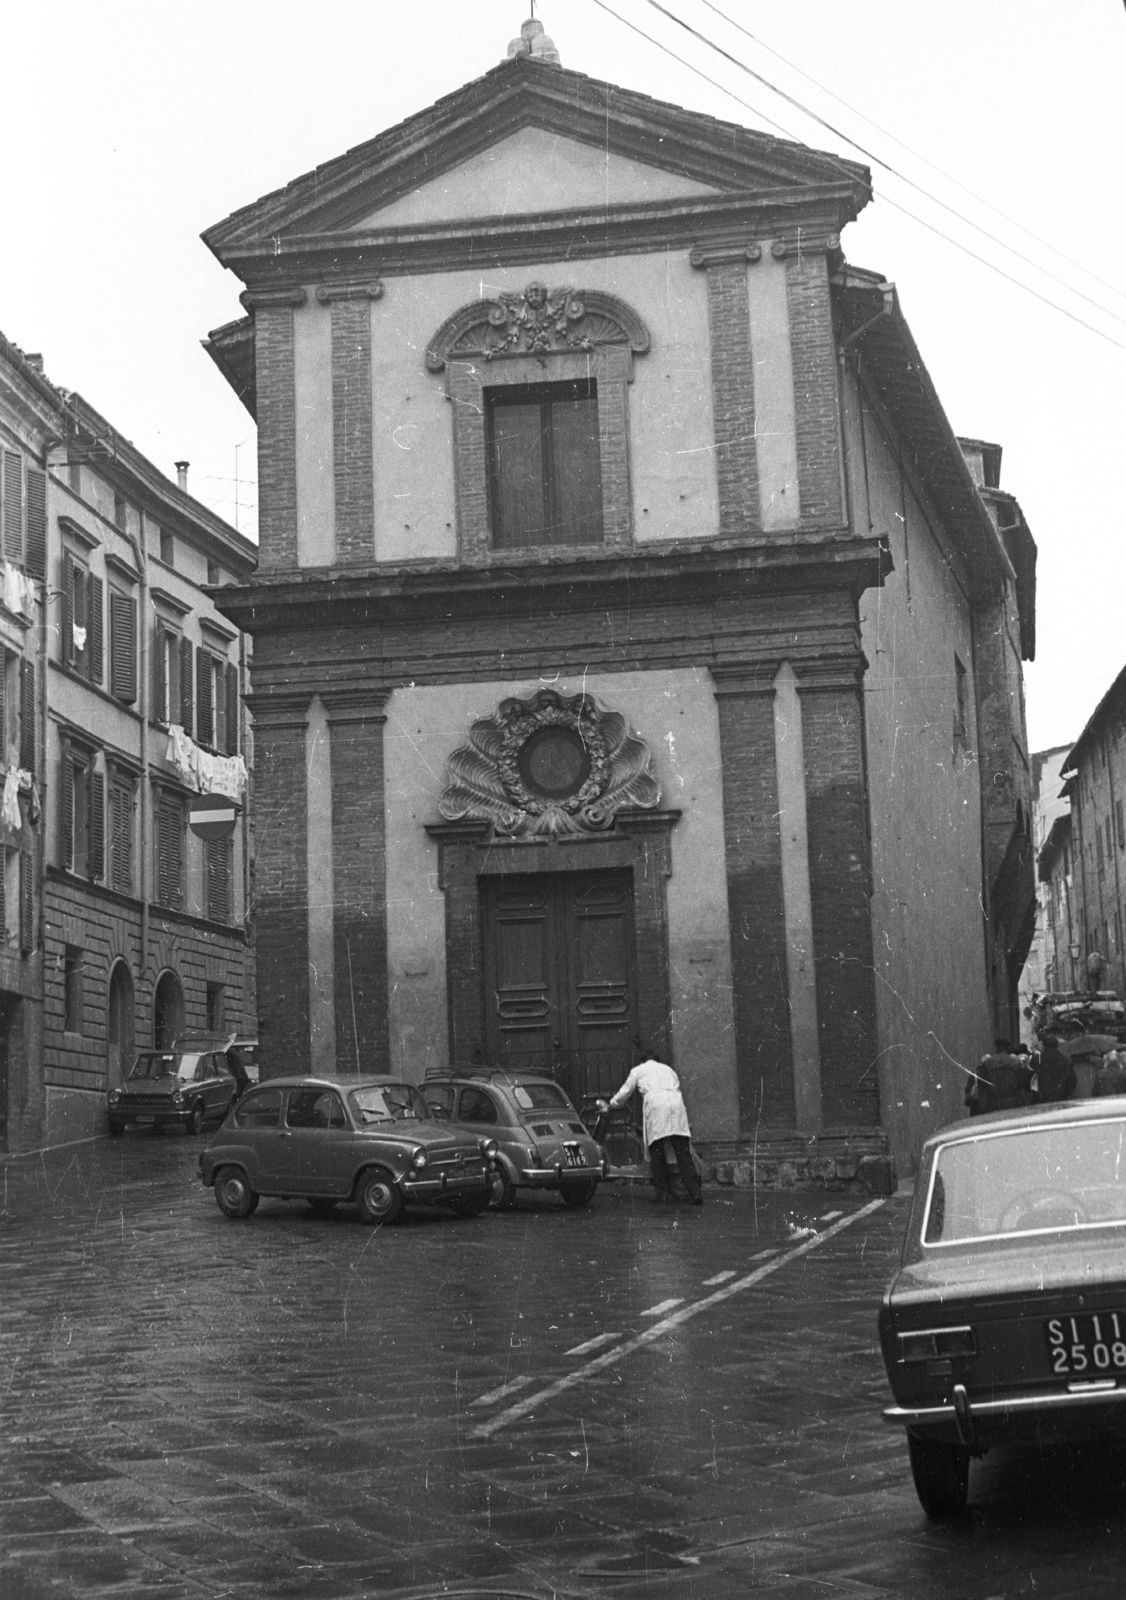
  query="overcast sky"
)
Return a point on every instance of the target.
[{"x": 128, "y": 127}]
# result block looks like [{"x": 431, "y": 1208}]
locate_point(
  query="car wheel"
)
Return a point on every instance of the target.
[
  {"x": 116, "y": 1128},
  {"x": 195, "y": 1118},
  {"x": 322, "y": 1208},
  {"x": 577, "y": 1194},
  {"x": 471, "y": 1205},
  {"x": 378, "y": 1198},
  {"x": 942, "y": 1475},
  {"x": 233, "y": 1194},
  {"x": 502, "y": 1190}
]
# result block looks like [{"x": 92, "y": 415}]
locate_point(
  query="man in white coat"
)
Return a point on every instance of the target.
[{"x": 665, "y": 1127}]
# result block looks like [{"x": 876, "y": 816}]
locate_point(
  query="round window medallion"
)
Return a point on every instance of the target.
[{"x": 554, "y": 763}]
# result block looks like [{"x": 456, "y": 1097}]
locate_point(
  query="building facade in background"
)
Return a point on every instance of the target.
[
  {"x": 123, "y": 699},
  {"x": 1050, "y": 963},
  {"x": 637, "y": 661}
]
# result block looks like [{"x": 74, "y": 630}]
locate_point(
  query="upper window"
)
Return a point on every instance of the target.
[
  {"x": 545, "y": 472},
  {"x": 83, "y": 807},
  {"x": 83, "y": 617}
]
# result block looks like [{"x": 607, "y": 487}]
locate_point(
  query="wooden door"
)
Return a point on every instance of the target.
[{"x": 560, "y": 977}]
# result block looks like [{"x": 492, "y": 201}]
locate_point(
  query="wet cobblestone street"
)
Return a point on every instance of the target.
[{"x": 529, "y": 1404}]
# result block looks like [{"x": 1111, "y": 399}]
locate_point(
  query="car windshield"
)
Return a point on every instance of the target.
[
  {"x": 540, "y": 1097},
  {"x": 389, "y": 1102},
  {"x": 1029, "y": 1180},
  {"x": 159, "y": 1064}
]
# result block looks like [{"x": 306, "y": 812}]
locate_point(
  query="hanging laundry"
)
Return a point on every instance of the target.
[
  {"x": 79, "y": 637},
  {"x": 10, "y": 808}
]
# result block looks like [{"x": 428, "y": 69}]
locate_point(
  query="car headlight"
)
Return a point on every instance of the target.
[
  {"x": 489, "y": 1149},
  {"x": 925, "y": 1344},
  {"x": 418, "y": 1160},
  {"x": 177, "y": 1097},
  {"x": 114, "y": 1096}
]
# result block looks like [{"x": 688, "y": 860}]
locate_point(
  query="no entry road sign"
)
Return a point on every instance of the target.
[{"x": 212, "y": 816}]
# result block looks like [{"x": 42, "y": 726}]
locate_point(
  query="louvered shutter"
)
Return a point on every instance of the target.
[
  {"x": 3, "y": 895},
  {"x": 96, "y": 865},
  {"x": 186, "y": 685},
  {"x": 123, "y": 646},
  {"x": 205, "y": 710},
  {"x": 36, "y": 559},
  {"x": 159, "y": 675},
  {"x": 67, "y": 587},
  {"x": 27, "y": 715},
  {"x": 4, "y": 729},
  {"x": 218, "y": 880},
  {"x": 95, "y": 611},
  {"x": 162, "y": 853},
  {"x": 13, "y": 506},
  {"x": 80, "y": 617},
  {"x": 219, "y": 720},
  {"x": 121, "y": 836},
  {"x": 66, "y": 820},
  {"x": 233, "y": 711},
  {"x": 27, "y": 901}
]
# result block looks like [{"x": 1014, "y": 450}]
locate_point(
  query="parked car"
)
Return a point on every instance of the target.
[
  {"x": 541, "y": 1139},
  {"x": 1007, "y": 1317},
  {"x": 371, "y": 1141},
  {"x": 189, "y": 1085}
]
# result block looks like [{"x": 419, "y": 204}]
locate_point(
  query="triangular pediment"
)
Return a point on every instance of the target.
[{"x": 586, "y": 144}]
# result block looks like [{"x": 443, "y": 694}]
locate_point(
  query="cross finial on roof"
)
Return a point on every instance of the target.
[{"x": 534, "y": 42}]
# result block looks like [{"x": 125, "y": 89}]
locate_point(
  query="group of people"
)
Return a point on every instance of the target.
[{"x": 1014, "y": 1076}]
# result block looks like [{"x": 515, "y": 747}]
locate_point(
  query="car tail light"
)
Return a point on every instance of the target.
[
  {"x": 418, "y": 1160},
  {"x": 925, "y": 1344},
  {"x": 534, "y": 1157}
]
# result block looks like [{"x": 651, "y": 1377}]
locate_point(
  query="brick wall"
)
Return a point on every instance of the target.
[
  {"x": 733, "y": 396},
  {"x": 277, "y": 439},
  {"x": 813, "y": 347},
  {"x": 281, "y": 882},
  {"x": 351, "y": 428},
  {"x": 360, "y": 887}
]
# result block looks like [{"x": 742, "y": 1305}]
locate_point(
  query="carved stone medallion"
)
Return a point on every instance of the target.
[
  {"x": 538, "y": 322},
  {"x": 549, "y": 765}
]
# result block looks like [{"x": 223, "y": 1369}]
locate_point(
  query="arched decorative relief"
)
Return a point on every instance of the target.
[
  {"x": 539, "y": 322},
  {"x": 554, "y": 764}
]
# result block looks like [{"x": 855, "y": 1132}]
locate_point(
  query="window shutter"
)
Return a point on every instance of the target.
[
  {"x": 186, "y": 686},
  {"x": 66, "y": 821},
  {"x": 4, "y": 896},
  {"x": 80, "y": 659},
  {"x": 159, "y": 675},
  {"x": 219, "y": 730},
  {"x": 123, "y": 646},
  {"x": 27, "y": 901},
  {"x": 36, "y": 522},
  {"x": 95, "y": 607},
  {"x": 218, "y": 880},
  {"x": 204, "y": 680},
  {"x": 233, "y": 710},
  {"x": 121, "y": 836},
  {"x": 97, "y": 862},
  {"x": 13, "y": 506},
  {"x": 68, "y": 609},
  {"x": 27, "y": 715}
]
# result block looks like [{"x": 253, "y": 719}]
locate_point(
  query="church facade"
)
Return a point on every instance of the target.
[{"x": 631, "y": 638}]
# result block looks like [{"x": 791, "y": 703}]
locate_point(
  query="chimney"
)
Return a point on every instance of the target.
[
  {"x": 35, "y": 362},
  {"x": 182, "y": 475}
]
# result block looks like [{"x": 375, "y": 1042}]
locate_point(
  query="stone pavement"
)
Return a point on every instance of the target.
[{"x": 195, "y": 1408}]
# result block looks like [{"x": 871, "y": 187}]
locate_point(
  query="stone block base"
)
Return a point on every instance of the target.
[
  {"x": 72, "y": 1115},
  {"x": 840, "y": 1159}
]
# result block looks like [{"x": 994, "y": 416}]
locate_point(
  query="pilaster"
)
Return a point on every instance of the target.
[
  {"x": 733, "y": 383},
  {"x": 272, "y": 310},
  {"x": 350, "y": 304}
]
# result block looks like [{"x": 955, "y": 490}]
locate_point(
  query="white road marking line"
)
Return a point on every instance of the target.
[
  {"x": 659, "y": 1329},
  {"x": 594, "y": 1344},
  {"x": 762, "y": 1255},
  {"x": 720, "y": 1277},
  {"x": 831, "y": 1216},
  {"x": 661, "y": 1307},
  {"x": 502, "y": 1393}
]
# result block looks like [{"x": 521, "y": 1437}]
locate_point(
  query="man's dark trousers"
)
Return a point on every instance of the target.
[{"x": 674, "y": 1144}]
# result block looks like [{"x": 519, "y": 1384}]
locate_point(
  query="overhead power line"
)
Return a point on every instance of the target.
[
  {"x": 887, "y": 200},
  {"x": 838, "y": 133},
  {"x": 1045, "y": 244}
]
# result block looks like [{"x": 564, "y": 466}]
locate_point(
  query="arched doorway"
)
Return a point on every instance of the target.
[
  {"x": 119, "y": 1025},
  {"x": 167, "y": 1011}
]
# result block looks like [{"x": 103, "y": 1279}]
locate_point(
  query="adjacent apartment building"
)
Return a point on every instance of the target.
[
  {"x": 123, "y": 697},
  {"x": 637, "y": 651}
]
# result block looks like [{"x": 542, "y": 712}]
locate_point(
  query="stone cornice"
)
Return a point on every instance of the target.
[
  {"x": 721, "y": 252},
  {"x": 273, "y": 295},
  {"x": 355, "y": 704},
  {"x": 350, "y": 289},
  {"x": 279, "y": 711}
]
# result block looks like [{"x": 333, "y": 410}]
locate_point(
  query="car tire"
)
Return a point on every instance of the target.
[
  {"x": 322, "y": 1208},
  {"x": 471, "y": 1205},
  {"x": 574, "y": 1195},
  {"x": 377, "y": 1197},
  {"x": 502, "y": 1190},
  {"x": 194, "y": 1123},
  {"x": 942, "y": 1475},
  {"x": 233, "y": 1194},
  {"x": 116, "y": 1128}
]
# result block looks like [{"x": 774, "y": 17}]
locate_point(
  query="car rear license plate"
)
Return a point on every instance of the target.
[
  {"x": 1089, "y": 1344},
  {"x": 574, "y": 1155}
]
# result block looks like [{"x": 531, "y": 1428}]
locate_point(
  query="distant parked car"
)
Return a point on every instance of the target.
[
  {"x": 370, "y": 1141},
  {"x": 542, "y": 1141},
  {"x": 1007, "y": 1318},
  {"x": 189, "y": 1085}
]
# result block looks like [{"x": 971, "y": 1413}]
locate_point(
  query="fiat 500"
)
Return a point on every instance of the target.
[
  {"x": 193, "y": 1083},
  {"x": 371, "y": 1141},
  {"x": 1007, "y": 1318},
  {"x": 542, "y": 1144}
]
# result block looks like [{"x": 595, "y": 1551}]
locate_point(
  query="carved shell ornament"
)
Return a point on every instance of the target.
[
  {"x": 540, "y": 321},
  {"x": 553, "y": 764}
]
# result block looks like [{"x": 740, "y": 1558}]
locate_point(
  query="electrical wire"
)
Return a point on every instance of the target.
[
  {"x": 887, "y": 200},
  {"x": 1014, "y": 222},
  {"x": 838, "y": 133}
]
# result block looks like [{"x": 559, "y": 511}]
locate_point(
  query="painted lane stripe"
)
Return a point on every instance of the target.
[
  {"x": 720, "y": 1277},
  {"x": 661, "y": 1307},
  {"x": 502, "y": 1393},
  {"x": 594, "y": 1344},
  {"x": 762, "y": 1254},
  {"x": 831, "y": 1216},
  {"x": 659, "y": 1329}
]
